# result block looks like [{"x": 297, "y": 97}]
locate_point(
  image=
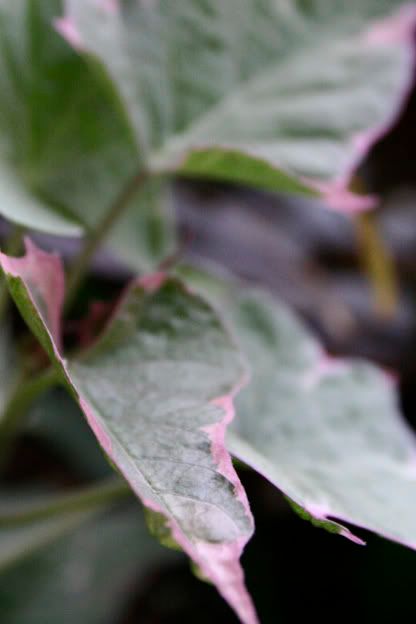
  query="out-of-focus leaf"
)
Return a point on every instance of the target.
[
  {"x": 327, "y": 432},
  {"x": 26, "y": 100},
  {"x": 157, "y": 390},
  {"x": 65, "y": 150},
  {"x": 84, "y": 576},
  {"x": 146, "y": 234},
  {"x": 288, "y": 95},
  {"x": 57, "y": 420},
  {"x": 7, "y": 366},
  {"x": 17, "y": 543},
  {"x": 20, "y": 206}
]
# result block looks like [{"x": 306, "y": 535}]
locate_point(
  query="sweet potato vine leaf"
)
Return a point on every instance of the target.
[
  {"x": 287, "y": 95},
  {"x": 66, "y": 150},
  {"x": 157, "y": 390},
  {"x": 328, "y": 433}
]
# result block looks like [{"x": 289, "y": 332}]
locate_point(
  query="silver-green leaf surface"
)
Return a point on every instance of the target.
[
  {"x": 157, "y": 390},
  {"x": 277, "y": 93},
  {"x": 328, "y": 433}
]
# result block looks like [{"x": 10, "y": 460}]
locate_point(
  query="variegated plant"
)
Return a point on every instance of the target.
[{"x": 101, "y": 103}]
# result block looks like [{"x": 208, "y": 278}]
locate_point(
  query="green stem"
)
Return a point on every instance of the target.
[
  {"x": 378, "y": 265},
  {"x": 11, "y": 248},
  {"x": 93, "y": 241},
  {"x": 87, "y": 498},
  {"x": 23, "y": 396},
  {"x": 376, "y": 259},
  {"x": 4, "y": 296}
]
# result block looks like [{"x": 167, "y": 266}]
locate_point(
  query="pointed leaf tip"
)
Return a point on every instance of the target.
[
  {"x": 327, "y": 433},
  {"x": 157, "y": 390},
  {"x": 43, "y": 274}
]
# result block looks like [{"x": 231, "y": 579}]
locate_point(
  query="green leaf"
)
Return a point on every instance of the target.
[
  {"x": 328, "y": 433},
  {"x": 66, "y": 150},
  {"x": 285, "y": 95},
  {"x": 159, "y": 528},
  {"x": 83, "y": 576},
  {"x": 19, "y": 205},
  {"x": 22, "y": 119},
  {"x": 146, "y": 234},
  {"x": 157, "y": 390},
  {"x": 18, "y": 542},
  {"x": 58, "y": 421},
  {"x": 8, "y": 371}
]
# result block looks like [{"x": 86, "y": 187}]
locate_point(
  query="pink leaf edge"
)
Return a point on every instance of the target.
[
  {"x": 221, "y": 562},
  {"x": 330, "y": 366},
  {"x": 398, "y": 29},
  {"x": 218, "y": 562},
  {"x": 43, "y": 273},
  {"x": 68, "y": 29}
]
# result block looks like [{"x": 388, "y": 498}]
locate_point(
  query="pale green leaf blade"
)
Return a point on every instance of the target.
[
  {"x": 300, "y": 89},
  {"x": 328, "y": 433},
  {"x": 20, "y": 200},
  {"x": 157, "y": 391},
  {"x": 66, "y": 150},
  {"x": 20, "y": 206}
]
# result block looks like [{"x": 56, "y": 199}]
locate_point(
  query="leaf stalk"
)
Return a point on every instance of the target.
[
  {"x": 103, "y": 494},
  {"x": 378, "y": 264},
  {"x": 25, "y": 393},
  {"x": 93, "y": 241}
]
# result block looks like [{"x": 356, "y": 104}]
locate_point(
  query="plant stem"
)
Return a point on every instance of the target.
[
  {"x": 376, "y": 258},
  {"x": 378, "y": 264},
  {"x": 84, "y": 499},
  {"x": 93, "y": 241},
  {"x": 12, "y": 247},
  {"x": 23, "y": 396}
]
